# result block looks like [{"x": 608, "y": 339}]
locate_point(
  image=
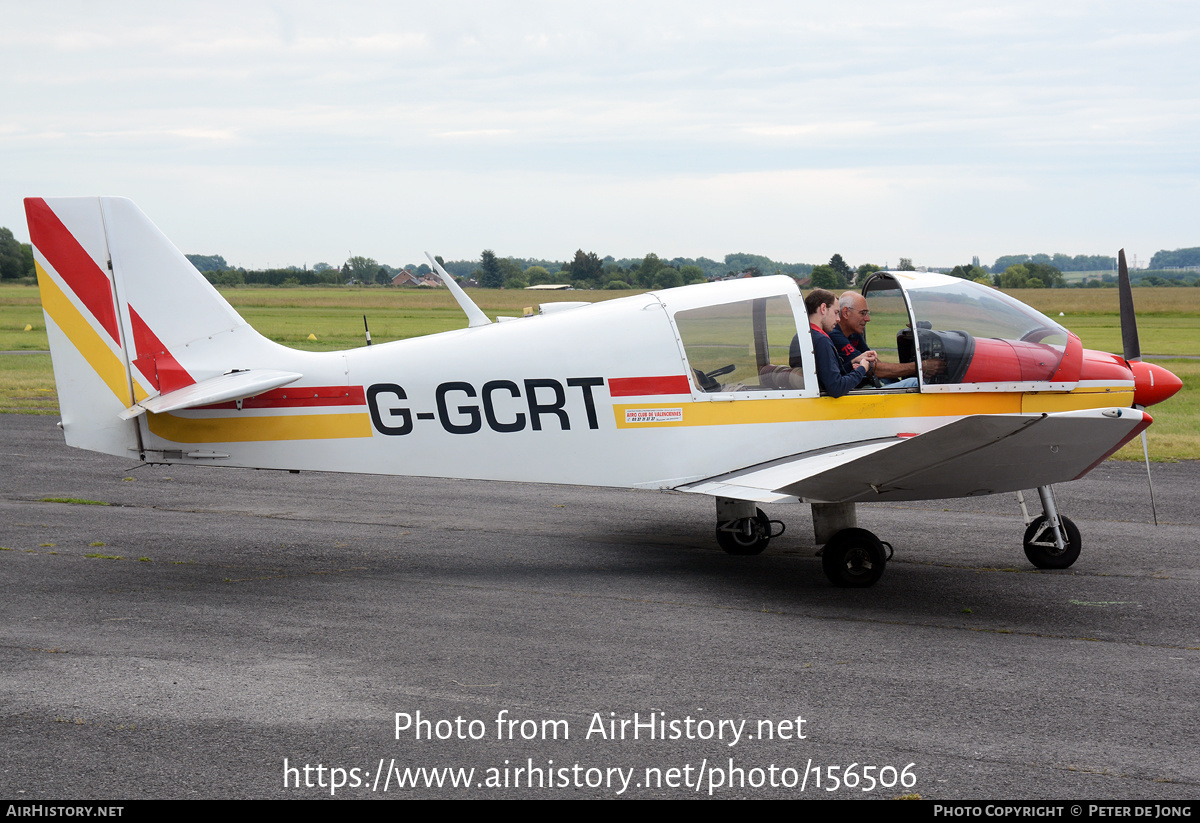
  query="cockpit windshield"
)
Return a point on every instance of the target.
[{"x": 967, "y": 332}]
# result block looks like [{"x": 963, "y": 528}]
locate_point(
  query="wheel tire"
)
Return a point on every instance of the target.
[
  {"x": 854, "y": 559},
  {"x": 738, "y": 543},
  {"x": 1040, "y": 547}
]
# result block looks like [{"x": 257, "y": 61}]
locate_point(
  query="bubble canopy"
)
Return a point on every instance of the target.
[{"x": 968, "y": 336}]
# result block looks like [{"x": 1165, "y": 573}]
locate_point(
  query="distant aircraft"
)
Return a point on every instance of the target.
[{"x": 685, "y": 389}]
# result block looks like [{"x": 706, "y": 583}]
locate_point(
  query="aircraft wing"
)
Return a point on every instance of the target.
[{"x": 976, "y": 455}]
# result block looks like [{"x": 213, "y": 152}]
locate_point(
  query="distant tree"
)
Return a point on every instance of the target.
[
  {"x": 514, "y": 275},
  {"x": 320, "y": 267},
  {"x": 744, "y": 262},
  {"x": 207, "y": 262},
  {"x": 906, "y": 264},
  {"x": 827, "y": 277},
  {"x": 490, "y": 276},
  {"x": 585, "y": 267},
  {"x": 1046, "y": 273},
  {"x": 1002, "y": 264},
  {"x": 840, "y": 266},
  {"x": 667, "y": 278},
  {"x": 537, "y": 276},
  {"x": 1018, "y": 277},
  {"x": 648, "y": 270},
  {"x": 362, "y": 269},
  {"x": 12, "y": 262},
  {"x": 1176, "y": 259},
  {"x": 692, "y": 274},
  {"x": 968, "y": 272}
]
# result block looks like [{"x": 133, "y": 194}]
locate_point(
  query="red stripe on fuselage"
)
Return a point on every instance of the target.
[
  {"x": 299, "y": 397},
  {"x": 73, "y": 264},
  {"x": 639, "y": 386}
]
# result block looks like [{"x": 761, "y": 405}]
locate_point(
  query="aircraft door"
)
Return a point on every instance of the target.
[{"x": 890, "y": 332}]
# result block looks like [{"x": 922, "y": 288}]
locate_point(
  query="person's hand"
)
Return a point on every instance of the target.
[{"x": 865, "y": 359}]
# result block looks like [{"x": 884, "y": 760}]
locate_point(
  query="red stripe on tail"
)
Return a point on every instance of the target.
[
  {"x": 153, "y": 360},
  {"x": 73, "y": 264}
]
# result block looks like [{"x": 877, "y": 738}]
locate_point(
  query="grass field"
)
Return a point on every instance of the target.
[{"x": 1168, "y": 322}]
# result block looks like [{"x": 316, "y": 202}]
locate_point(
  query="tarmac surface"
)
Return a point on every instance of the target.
[{"x": 239, "y": 626}]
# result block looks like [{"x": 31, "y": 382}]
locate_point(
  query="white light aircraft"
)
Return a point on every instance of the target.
[{"x": 698, "y": 389}]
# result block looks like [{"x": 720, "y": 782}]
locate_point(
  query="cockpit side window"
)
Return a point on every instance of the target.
[{"x": 741, "y": 346}]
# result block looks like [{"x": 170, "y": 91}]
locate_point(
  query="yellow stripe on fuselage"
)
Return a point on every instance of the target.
[
  {"x": 79, "y": 331},
  {"x": 254, "y": 429},
  {"x": 1092, "y": 397},
  {"x": 876, "y": 406}
]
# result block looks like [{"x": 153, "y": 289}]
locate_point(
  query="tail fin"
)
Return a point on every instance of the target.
[{"x": 128, "y": 317}]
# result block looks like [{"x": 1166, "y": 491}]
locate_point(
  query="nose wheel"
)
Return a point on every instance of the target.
[
  {"x": 1051, "y": 540},
  {"x": 1044, "y": 552}
]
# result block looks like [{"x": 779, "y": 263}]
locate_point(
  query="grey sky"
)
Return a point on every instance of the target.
[{"x": 291, "y": 132}]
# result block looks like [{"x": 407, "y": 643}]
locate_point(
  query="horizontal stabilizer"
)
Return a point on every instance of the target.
[
  {"x": 236, "y": 385},
  {"x": 978, "y": 455}
]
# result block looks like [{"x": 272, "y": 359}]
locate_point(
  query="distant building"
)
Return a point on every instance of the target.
[{"x": 406, "y": 278}]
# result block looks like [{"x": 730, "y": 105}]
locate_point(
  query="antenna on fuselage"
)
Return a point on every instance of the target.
[
  {"x": 367, "y": 329},
  {"x": 475, "y": 315}
]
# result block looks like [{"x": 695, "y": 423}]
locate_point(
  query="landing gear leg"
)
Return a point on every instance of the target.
[
  {"x": 742, "y": 528},
  {"x": 1051, "y": 541},
  {"x": 831, "y": 518}
]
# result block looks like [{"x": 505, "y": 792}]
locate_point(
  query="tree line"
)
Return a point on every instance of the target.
[{"x": 587, "y": 270}]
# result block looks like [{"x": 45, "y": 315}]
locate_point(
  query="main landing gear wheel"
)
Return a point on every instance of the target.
[
  {"x": 745, "y": 537},
  {"x": 1041, "y": 549},
  {"x": 853, "y": 559}
]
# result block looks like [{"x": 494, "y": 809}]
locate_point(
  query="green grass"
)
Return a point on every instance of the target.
[
  {"x": 1175, "y": 434},
  {"x": 335, "y": 316},
  {"x": 20, "y": 306},
  {"x": 27, "y": 384}
]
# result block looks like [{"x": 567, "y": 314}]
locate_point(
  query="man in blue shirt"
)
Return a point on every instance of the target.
[
  {"x": 849, "y": 338},
  {"x": 834, "y": 377}
]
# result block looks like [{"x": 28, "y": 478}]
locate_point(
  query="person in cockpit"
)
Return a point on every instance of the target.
[
  {"x": 849, "y": 338},
  {"x": 835, "y": 377}
]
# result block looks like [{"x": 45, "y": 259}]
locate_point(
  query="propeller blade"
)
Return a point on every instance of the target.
[
  {"x": 1146, "y": 452},
  {"x": 1129, "y": 333}
]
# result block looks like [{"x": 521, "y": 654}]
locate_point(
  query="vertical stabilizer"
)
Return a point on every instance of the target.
[{"x": 128, "y": 317}]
